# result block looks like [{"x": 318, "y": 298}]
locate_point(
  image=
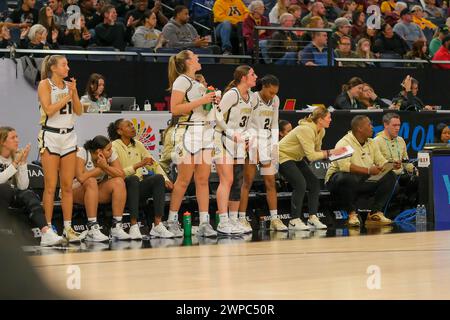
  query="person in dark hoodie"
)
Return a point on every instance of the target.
[
  {"x": 111, "y": 33},
  {"x": 140, "y": 10},
  {"x": 146, "y": 36},
  {"x": 390, "y": 42}
]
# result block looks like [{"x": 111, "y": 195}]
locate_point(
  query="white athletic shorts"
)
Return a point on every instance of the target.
[
  {"x": 59, "y": 144},
  {"x": 191, "y": 139}
]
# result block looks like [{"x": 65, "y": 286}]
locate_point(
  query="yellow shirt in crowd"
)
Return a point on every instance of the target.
[
  {"x": 303, "y": 141},
  {"x": 130, "y": 155},
  {"x": 233, "y": 11},
  {"x": 387, "y": 6},
  {"x": 424, "y": 23},
  {"x": 393, "y": 150},
  {"x": 364, "y": 156}
]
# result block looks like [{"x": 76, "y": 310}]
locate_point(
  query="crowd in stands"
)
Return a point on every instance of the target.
[{"x": 409, "y": 29}]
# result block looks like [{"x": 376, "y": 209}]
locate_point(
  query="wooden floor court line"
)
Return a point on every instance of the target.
[{"x": 413, "y": 265}]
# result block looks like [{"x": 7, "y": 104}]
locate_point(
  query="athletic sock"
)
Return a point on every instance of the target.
[
  {"x": 273, "y": 214},
  {"x": 204, "y": 217}
]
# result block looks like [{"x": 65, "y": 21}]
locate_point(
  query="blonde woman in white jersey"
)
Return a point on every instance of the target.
[
  {"x": 232, "y": 118},
  {"x": 263, "y": 150},
  {"x": 59, "y": 105},
  {"x": 193, "y": 138}
]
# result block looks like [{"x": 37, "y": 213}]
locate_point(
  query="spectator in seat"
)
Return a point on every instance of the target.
[
  {"x": 91, "y": 13},
  {"x": 5, "y": 37},
  {"x": 443, "y": 54},
  {"x": 332, "y": 10},
  {"x": 418, "y": 18},
  {"x": 284, "y": 45},
  {"x": 348, "y": 99},
  {"x": 369, "y": 33},
  {"x": 407, "y": 30},
  {"x": 279, "y": 9},
  {"x": 48, "y": 21},
  {"x": 228, "y": 14},
  {"x": 180, "y": 34},
  {"x": 343, "y": 28},
  {"x": 146, "y": 36},
  {"x": 24, "y": 16},
  {"x": 110, "y": 33},
  {"x": 306, "y": 37},
  {"x": 77, "y": 37},
  {"x": 296, "y": 11},
  {"x": 95, "y": 99},
  {"x": 317, "y": 10},
  {"x": 436, "y": 42},
  {"x": 138, "y": 13},
  {"x": 344, "y": 50},
  {"x": 348, "y": 8},
  {"x": 347, "y": 178},
  {"x": 36, "y": 38},
  {"x": 388, "y": 6},
  {"x": 390, "y": 42},
  {"x": 14, "y": 183},
  {"x": 418, "y": 52},
  {"x": 369, "y": 99},
  {"x": 359, "y": 24},
  {"x": 432, "y": 10},
  {"x": 122, "y": 6},
  {"x": 316, "y": 53},
  {"x": 284, "y": 128},
  {"x": 59, "y": 14},
  {"x": 363, "y": 51},
  {"x": 407, "y": 99},
  {"x": 441, "y": 133},
  {"x": 255, "y": 18},
  {"x": 394, "y": 16}
]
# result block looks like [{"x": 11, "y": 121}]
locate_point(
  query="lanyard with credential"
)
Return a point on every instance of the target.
[{"x": 390, "y": 151}]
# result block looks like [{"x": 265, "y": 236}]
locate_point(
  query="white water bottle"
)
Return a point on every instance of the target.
[{"x": 147, "y": 106}]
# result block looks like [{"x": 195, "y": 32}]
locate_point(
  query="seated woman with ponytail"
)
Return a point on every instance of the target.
[
  {"x": 300, "y": 145},
  {"x": 133, "y": 158},
  {"x": 99, "y": 179}
]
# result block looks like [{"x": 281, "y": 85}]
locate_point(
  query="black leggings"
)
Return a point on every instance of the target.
[
  {"x": 300, "y": 177},
  {"x": 138, "y": 191},
  {"x": 238, "y": 179},
  {"x": 27, "y": 199},
  {"x": 347, "y": 186}
]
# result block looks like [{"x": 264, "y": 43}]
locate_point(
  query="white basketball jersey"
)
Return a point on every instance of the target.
[
  {"x": 192, "y": 90},
  {"x": 265, "y": 116},
  {"x": 236, "y": 111},
  {"x": 64, "y": 118}
]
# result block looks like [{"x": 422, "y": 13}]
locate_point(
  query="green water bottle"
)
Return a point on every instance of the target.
[
  {"x": 187, "y": 224},
  {"x": 217, "y": 220},
  {"x": 209, "y": 105},
  {"x": 187, "y": 241}
]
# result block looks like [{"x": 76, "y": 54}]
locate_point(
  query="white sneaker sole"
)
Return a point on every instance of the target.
[
  {"x": 88, "y": 239},
  {"x": 51, "y": 244},
  {"x": 291, "y": 228},
  {"x": 312, "y": 226}
]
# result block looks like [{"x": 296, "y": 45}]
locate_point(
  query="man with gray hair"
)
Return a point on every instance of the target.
[{"x": 284, "y": 45}]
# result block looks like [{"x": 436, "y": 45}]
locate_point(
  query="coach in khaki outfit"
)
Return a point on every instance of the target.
[{"x": 347, "y": 178}]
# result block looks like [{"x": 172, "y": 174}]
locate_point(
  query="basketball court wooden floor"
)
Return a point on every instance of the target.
[{"x": 385, "y": 266}]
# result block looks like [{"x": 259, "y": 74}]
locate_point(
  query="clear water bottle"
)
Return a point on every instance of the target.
[{"x": 421, "y": 218}]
